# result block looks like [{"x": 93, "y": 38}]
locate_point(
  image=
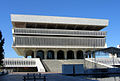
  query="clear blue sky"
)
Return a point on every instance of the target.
[{"x": 101, "y": 9}]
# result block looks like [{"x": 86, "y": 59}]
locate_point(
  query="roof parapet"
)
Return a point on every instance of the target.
[{"x": 59, "y": 20}]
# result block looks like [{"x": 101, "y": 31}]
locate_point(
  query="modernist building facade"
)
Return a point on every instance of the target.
[
  {"x": 53, "y": 41},
  {"x": 51, "y": 37}
]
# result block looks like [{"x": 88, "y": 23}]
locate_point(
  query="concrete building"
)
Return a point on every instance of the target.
[{"x": 57, "y": 38}]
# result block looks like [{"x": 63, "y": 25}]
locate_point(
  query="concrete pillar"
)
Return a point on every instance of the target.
[
  {"x": 45, "y": 54},
  {"x": 35, "y": 54},
  {"x": 55, "y": 54},
  {"x": 65, "y": 54},
  {"x": 75, "y": 55}
]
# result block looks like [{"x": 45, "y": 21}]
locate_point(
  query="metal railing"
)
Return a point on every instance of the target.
[
  {"x": 24, "y": 62},
  {"x": 107, "y": 61}
]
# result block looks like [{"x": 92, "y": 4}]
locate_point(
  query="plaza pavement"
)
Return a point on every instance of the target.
[{"x": 49, "y": 77}]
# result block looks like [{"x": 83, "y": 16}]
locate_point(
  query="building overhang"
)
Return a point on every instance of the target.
[{"x": 59, "y": 22}]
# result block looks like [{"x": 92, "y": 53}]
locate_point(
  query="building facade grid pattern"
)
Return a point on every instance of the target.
[
  {"x": 35, "y": 31},
  {"x": 58, "y": 41}
]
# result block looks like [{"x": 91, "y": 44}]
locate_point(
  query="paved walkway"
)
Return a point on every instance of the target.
[{"x": 50, "y": 77}]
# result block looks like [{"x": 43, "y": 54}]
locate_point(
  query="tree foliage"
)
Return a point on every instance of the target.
[{"x": 1, "y": 49}]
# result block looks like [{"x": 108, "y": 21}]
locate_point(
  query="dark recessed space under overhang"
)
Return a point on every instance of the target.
[{"x": 57, "y": 26}]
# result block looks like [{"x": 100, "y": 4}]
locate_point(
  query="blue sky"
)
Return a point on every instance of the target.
[{"x": 101, "y": 9}]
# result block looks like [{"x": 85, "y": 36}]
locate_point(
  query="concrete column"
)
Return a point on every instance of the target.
[
  {"x": 65, "y": 54},
  {"x": 35, "y": 54},
  {"x": 45, "y": 54},
  {"x": 55, "y": 54},
  {"x": 75, "y": 57}
]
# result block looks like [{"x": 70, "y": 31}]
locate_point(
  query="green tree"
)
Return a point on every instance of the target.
[{"x": 1, "y": 49}]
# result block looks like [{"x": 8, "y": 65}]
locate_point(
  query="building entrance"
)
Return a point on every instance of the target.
[
  {"x": 80, "y": 55},
  {"x": 70, "y": 54},
  {"x": 60, "y": 54},
  {"x": 40, "y": 54},
  {"x": 50, "y": 54}
]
